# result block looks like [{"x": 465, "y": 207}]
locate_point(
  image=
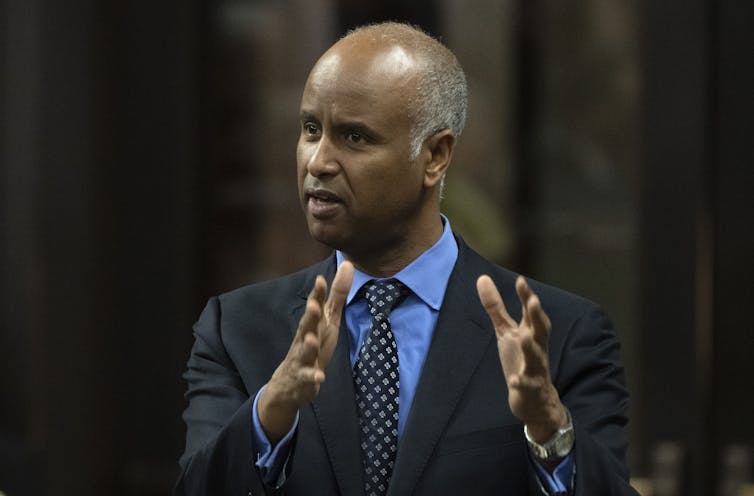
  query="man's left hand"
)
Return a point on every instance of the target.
[{"x": 523, "y": 350}]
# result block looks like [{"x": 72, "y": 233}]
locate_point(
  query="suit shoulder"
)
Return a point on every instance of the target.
[
  {"x": 274, "y": 292},
  {"x": 550, "y": 296}
]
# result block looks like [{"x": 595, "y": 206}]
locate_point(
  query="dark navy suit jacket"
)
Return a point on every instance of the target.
[{"x": 460, "y": 436}]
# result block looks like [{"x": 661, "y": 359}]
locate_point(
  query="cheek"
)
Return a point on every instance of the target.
[
  {"x": 391, "y": 187},
  {"x": 402, "y": 177},
  {"x": 301, "y": 160}
]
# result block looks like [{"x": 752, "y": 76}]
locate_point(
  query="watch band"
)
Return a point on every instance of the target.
[{"x": 557, "y": 447}]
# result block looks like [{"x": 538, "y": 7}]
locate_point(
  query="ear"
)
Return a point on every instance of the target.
[{"x": 438, "y": 149}]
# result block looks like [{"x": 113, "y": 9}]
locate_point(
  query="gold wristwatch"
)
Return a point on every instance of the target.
[{"x": 557, "y": 447}]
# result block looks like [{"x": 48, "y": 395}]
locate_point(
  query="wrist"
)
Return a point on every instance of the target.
[
  {"x": 543, "y": 428},
  {"x": 276, "y": 414},
  {"x": 554, "y": 448}
]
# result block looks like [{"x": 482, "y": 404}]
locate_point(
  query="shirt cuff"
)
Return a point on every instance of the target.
[
  {"x": 270, "y": 461},
  {"x": 560, "y": 482}
]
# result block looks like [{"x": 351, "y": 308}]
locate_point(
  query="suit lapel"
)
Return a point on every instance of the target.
[
  {"x": 461, "y": 337},
  {"x": 335, "y": 408}
]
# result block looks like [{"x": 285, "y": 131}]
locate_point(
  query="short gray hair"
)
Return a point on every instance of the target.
[{"x": 441, "y": 94}]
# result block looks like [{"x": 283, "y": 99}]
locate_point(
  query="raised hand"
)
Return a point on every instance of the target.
[
  {"x": 523, "y": 348},
  {"x": 297, "y": 379}
]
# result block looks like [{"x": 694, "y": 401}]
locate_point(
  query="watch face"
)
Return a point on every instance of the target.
[
  {"x": 541, "y": 453},
  {"x": 563, "y": 444},
  {"x": 556, "y": 448}
]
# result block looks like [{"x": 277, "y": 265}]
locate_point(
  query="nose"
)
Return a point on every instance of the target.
[{"x": 323, "y": 160}]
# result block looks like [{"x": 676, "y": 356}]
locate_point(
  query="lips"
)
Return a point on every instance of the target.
[
  {"x": 322, "y": 203},
  {"x": 321, "y": 194}
]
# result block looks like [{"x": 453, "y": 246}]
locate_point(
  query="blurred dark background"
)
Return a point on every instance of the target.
[{"x": 147, "y": 162}]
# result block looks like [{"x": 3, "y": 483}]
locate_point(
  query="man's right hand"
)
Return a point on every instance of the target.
[{"x": 297, "y": 379}]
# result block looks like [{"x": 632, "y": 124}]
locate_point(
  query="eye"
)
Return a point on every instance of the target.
[
  {"x": 310, "y": 129},
  {"x": 355, "y": 137}
]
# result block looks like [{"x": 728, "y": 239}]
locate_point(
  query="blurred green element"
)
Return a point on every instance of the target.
[{"x": 479, "y": 218}]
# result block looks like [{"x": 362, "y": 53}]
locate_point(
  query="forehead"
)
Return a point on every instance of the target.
[{"x": 362, "y": 79}]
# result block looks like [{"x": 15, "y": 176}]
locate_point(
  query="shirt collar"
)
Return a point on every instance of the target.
[{"x": 427, "y": 276}]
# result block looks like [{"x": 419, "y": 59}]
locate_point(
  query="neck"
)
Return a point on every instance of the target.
[{"x": 386, "y": 261}]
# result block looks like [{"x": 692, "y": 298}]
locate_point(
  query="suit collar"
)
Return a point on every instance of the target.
[
  {"x": 325, "y": 268},
  {"x": 335, "y": 406},
  {"x": 461, "y": 338},
  {"x": 335, "y": 410}
]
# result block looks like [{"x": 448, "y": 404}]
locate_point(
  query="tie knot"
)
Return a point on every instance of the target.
[{"x": 382, "y": 296}]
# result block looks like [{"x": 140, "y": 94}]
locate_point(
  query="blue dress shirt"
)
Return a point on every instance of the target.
[{"x": 413, "y": 323}]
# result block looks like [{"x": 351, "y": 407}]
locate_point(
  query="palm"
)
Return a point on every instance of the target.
[
  {"x": 511, "y": 357},
  {"x": 522, "y": 348}
]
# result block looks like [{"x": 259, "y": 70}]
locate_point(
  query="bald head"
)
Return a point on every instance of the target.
[
  {"x": 435, "y": 85},
  {"x": 379, "y": 116}
]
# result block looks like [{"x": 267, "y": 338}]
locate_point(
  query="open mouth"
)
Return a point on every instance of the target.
[
  {"x": 321, "y": 195},
  {"x": 322, "y": 203}
]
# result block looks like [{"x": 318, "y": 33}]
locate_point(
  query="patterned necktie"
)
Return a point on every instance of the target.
[{"x": 377, "y": 383}]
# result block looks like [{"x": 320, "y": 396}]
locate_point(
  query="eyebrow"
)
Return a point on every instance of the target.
[
  {"x": 307, "y": 116},
  {"x": 356, "y": 126}
]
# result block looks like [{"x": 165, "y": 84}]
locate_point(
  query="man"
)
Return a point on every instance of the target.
[{"x": 412, "y": 375}]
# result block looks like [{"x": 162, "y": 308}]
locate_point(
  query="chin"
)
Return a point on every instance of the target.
[{"x": 326, "y": 234}]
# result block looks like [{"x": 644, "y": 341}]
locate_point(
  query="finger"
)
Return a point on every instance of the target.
[
  {"x": 523, "y": 291},
  {"x": 341, "y": 285},
  {"x": 529, "y": 383},
  {"x": 313, "y": 311},
  {"x": 319, "y": 290},
  {"x": 535, "y": 360},
  {"x": 310, "y": 375},
  {"x": 309, "y": 349},
  {"x": 493, "y": 304},
  {"x": 309, "y": 320},
  {"x": 509, "y": 350},
  {"x": 540, "y": 321}
]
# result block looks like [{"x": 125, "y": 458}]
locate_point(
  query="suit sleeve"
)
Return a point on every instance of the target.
[
  {"x": 590, "y": 380},
  {"x": 219, "y": 455}
]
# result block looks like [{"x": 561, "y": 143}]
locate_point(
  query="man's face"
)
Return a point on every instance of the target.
[{"x": 358, "y": 188}]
